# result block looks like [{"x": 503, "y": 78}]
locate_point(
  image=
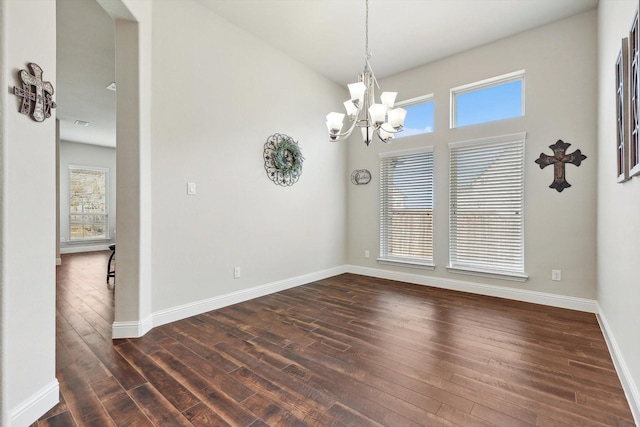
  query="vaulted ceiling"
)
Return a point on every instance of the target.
[{"x": 326, "y": 35}]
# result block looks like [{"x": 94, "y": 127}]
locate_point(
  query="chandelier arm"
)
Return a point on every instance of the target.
[{"x": 344, "y": 135}]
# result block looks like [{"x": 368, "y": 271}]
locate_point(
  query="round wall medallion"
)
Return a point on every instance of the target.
[
  {"x": 282, "y": 159},
  {"x": 360, "y": 176}
]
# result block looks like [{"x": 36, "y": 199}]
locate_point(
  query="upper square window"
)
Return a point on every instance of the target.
[
  {"x": 419, "y": 118},
  {"x": 488, "y": 100}
]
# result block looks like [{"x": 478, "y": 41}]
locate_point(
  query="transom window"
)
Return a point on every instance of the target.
[
  {"x": 420, "y": 116},
  {"x": 488, "y": 100},
  {"x": 88, "y": 208}
]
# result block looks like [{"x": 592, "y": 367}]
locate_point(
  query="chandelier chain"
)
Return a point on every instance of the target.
[{"x": 366, "y": 32}]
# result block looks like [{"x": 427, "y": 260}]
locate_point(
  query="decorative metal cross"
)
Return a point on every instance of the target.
[
  {"x": 43, "y": 95},
  {"x": 558, "y": 161}
]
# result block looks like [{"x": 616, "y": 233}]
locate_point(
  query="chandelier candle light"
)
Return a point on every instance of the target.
[{"x": 362, "y": 111}]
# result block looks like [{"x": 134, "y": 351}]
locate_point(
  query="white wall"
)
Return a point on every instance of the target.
[
  {"x": 560, "y": 93},
  {"x": 618, "y": 211},
  {"x": 76, "y": 154},
  {"x": 133, "y": 133},
  {"x": 28, "y": 220},
  {"x": 218, "y": 94}
]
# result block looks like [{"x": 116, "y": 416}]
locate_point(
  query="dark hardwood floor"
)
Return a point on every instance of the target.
[{"x": 345, "y": 351}]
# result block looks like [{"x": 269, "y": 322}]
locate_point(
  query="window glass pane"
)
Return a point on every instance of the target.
[
  {"x": 88, "y": 217},
  {"x": 419, "y": 119},
  {"x": 489, "y": 100}
]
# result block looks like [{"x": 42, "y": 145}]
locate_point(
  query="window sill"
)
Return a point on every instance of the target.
[
  {"x": 411, "y": 264},
  {"x": 87, "y": 241},
  {"x": 514, "y": 277}
]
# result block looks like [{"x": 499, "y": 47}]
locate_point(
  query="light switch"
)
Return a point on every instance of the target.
[{"x": 191, "y": 188}]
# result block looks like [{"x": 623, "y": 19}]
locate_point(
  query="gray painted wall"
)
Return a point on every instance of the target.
[
  {"x": 618, "y": 207},
  {"x": 27, "y": 221},
  {"x": 218, "y": 94},
  {"x": 560, "y": 91}
]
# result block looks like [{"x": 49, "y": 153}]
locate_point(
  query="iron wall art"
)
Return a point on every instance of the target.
[
  {"x": 282, "y": 159},
  {"x": 558, "y": 160},
  {"x": 360, "y": 177},
  {"x": 37, "y": 95}
]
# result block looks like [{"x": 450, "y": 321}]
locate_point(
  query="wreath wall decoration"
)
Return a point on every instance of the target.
[{"x": 282, "y": 159}]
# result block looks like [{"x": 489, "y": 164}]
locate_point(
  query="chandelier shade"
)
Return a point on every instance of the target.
[{"x": 362, "y": 111}]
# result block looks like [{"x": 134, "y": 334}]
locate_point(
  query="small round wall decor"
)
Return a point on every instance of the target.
[
  {"x": 282, "y": 159},
  {"x": 360, "y": 176}
]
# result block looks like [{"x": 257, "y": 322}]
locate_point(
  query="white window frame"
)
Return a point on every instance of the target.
[
  {"x": 105, "y": 213},
  {"x": 483, "y": 84},
  {"x": 466, "y": 254},
  {"x": 423, "y": 99},
  {"x": 386, "y": 257}
]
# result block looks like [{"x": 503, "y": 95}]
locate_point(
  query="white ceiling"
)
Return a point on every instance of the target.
[
  {"x": 86, "y": 65},
  {"x": 329, "y": 35},
  {"x": 326, "y": 35}
]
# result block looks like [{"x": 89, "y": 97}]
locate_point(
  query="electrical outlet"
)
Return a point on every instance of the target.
[
  {"x": 236, "y": 273},
  {"x": 556, "y": 275},
  {"x": 366, "y": 254}
]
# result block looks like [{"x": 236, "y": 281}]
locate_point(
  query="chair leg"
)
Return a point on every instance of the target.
[{"x": 111, "y": 273}]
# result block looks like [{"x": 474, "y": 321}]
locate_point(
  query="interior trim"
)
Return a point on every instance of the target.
[
  {"x": 553, "y": 300},
  {"x": 38, "y": 404},
  {"x": 626, "y": 379}
]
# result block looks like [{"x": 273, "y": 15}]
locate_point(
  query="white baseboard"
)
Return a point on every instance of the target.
[
  {"x": 33, "y": 408},
  {"x": 173, "y": 314},
  {"x": 628, "y": 384},
  {"x": 136, "y": 329},
  {"x": 84, "y": 248},
  {"x": 131, "y": 329},
  {"x": 553, "y": 300}
]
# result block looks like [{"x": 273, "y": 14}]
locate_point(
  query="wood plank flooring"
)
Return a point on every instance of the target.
[{"x": 345, "y": 351}]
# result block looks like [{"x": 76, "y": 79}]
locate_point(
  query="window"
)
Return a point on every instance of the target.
[
  {"x": 406, "y": 207},
  {"x": 486, "y": 195},
  {"x": 488, "y": 100},
  {"x": 88, "y": 218},
  {"x": 419, "y": 118}
]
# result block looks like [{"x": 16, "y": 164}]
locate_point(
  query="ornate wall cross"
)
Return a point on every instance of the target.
[
  {"x": 558, "y": 161},
  {"x": 37, "y": 96}
]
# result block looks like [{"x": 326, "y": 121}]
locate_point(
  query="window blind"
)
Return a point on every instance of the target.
[
  {"x": 88, "y": 203},
  {"x": 486, "y": 195},
  {"x": 406, "y": 206}
]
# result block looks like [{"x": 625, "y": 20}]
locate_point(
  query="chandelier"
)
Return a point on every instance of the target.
[{"x": 380, "y": 119}]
